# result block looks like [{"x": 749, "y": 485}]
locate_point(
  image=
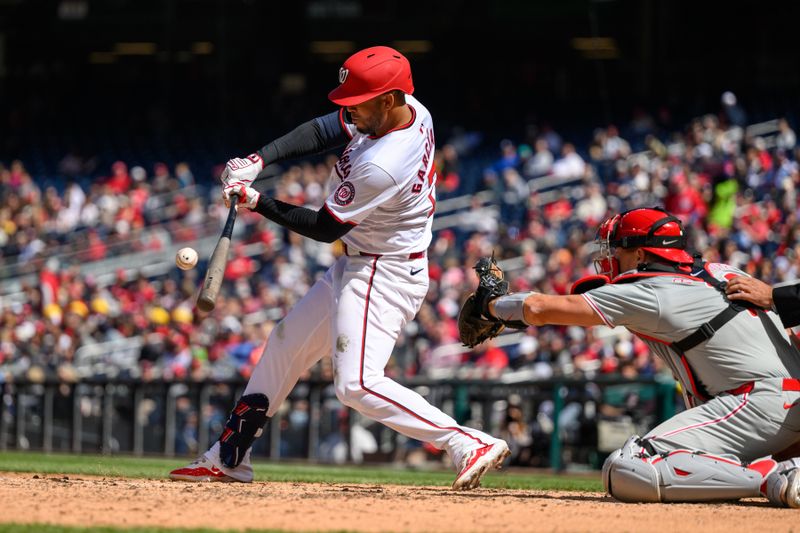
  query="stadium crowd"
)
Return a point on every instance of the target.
[{"x": 735, "y": 192}]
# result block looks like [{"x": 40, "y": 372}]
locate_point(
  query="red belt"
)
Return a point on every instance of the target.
[
  {"x": 413, "y": 255},
  {"x": 790, "y": 384},
  {"x": 741, "y": 389}
]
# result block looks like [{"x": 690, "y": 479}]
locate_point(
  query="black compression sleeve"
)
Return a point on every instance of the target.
[
  {"x": 312, "y": 137},
  {"x": 786, "y": 301},
  {"x": 317, "y": 225}
]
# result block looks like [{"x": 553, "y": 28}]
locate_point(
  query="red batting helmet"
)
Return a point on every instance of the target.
[
  {"x": 371, "y": 72},
  {"x": 652, "y": 229}
]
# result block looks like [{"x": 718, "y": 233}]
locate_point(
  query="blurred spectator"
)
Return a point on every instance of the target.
[
  {"x": 448, "y": 172},
  {"x": 513, "y": 199},
  {"x": 787, "y": 140},
  {"x": 541, "y": 163},
  {"x": 571, "y": 165},
  {"x": 614, "y": 147},
  {"x": 184, "y": 174},
  {"x": 732, "y": 111},
  {"x": 516, "y": 432},
  {"x": 591, "y": 209},
  {"x": 120, "y": 181}
]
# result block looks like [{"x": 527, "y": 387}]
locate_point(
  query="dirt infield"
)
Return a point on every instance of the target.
[{"x": 83, "y": 500}]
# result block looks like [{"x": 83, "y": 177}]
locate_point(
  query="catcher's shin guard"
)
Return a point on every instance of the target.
[
  {"x": 245, "y": 424},
  {"x": 629, "y": 477},
  {"x": 631, "y": 474}
]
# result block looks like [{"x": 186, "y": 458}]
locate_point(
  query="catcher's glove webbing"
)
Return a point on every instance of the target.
[{"x": 475, "y": 324}]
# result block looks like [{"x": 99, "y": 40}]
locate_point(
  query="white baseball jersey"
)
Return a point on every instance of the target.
[{"x": 385, "y": 187}]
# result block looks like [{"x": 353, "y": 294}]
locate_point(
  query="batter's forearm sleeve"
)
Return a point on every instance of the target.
[
  {"x": 787, "y": 304},
  {"x": 312, "y": 137},
  {"x": 318, "y": 225}
]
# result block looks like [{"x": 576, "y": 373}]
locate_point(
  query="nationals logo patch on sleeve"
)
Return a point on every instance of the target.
[{"x": 344, "y": 194}]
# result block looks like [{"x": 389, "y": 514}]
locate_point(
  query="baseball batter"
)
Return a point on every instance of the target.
[
  {"x": 738, "y": 370},
  {"x": 381, "y": 205}
]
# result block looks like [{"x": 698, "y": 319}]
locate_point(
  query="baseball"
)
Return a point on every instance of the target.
[{"x": 186, "y": 258}]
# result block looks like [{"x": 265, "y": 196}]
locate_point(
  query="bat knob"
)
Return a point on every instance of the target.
[{"x": 205, "y": 304}]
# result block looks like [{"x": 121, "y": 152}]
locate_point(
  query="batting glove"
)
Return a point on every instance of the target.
[
  {"x": 247, "y": 196},
  {"x": 243, "y": 170}
]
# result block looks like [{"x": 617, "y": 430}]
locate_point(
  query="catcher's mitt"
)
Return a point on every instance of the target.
[{"x": 475, "y": 324}]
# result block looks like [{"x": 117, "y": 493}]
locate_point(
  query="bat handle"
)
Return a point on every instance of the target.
[{"x": 227, "y": 231}]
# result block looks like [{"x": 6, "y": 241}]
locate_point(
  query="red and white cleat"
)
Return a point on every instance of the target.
[
  {"x": 201, "y": 470},
  {"x": 477, "y": 462}
]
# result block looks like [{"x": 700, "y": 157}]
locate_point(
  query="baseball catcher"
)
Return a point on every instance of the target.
[{"x": 738, "y": 369}]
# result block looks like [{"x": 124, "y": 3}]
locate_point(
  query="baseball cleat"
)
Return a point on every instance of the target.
[
  {"x": 477, "y": 462},
  {"x": 792, "y": 495},
  {"x": 782, "y": 488},
  {"x": 201, "y": 470}
]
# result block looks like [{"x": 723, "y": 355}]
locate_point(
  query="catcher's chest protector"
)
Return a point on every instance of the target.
[{"x": 715, "y": 275}]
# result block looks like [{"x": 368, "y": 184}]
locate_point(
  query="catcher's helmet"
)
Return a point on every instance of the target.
[
  {"x": 371, "y": 72},
  {"x": 651, "y": 229}
]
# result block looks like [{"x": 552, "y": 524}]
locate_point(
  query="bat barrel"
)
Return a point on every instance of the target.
[
  {"x": 216, "y": 271},
  {"x": 216, "y": 266}
]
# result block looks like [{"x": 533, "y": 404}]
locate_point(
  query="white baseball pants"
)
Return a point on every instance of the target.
[{"x": 356, "y": 312}]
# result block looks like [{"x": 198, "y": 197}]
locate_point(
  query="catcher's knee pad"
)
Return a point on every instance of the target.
[{"x": 245, "y": 424}]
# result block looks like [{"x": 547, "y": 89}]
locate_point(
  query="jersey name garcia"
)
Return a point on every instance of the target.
[{"x": 385, "y": 187}]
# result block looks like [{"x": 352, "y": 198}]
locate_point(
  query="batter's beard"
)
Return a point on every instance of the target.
[
  {"x": 366, "y": 130},
  {"x": 369, "y": 127}
]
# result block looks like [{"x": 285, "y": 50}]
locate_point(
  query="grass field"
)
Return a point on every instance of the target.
[{"x": 156, "y": 468}]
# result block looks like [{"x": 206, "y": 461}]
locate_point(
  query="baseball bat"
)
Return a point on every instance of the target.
[{"x": 216, "y": 265}]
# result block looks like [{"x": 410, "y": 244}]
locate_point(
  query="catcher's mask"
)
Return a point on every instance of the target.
[{"x": 650, "y": 228}]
